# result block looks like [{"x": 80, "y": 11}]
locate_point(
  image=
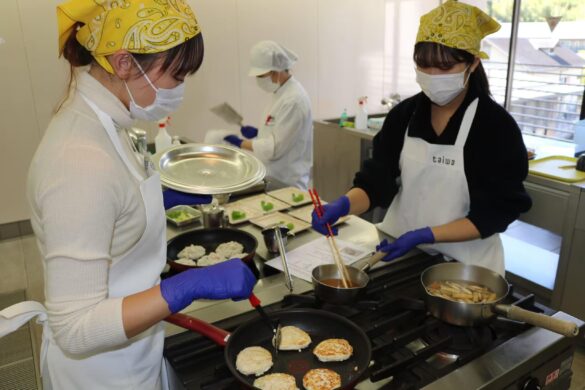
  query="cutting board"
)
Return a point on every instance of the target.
[{"x": 557, "y": 167}]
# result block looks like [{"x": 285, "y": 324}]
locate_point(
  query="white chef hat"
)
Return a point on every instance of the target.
[{"x": 269, "y": 55}]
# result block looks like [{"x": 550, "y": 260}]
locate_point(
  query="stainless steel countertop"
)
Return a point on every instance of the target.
[
  {"x": 271, "y": 289},
  {"x": 367, "y": 134}
]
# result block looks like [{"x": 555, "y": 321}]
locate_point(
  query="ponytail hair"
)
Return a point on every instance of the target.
[{"x": 77, "y": 56}]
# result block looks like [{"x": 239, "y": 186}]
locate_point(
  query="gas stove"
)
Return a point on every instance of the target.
[{"x": 410, "y": 348}]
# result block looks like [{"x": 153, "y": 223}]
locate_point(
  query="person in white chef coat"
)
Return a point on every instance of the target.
[
  {"x": 97, "y": 208},
  {"x": 284, "y": 139},
  {"x": 450, "y": 161}
]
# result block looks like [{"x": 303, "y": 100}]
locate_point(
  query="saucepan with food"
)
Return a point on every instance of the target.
[
  {"x": 203, "y": 247},
  {"x": 315, "y": 345},
  {"x": 469, "y": 295},
  {"x": 329, "y": 287}
]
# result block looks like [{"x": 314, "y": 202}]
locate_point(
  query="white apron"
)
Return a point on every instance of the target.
[
  {"x": 138, "y": 363},
  {"x": 434, "y": 192}
]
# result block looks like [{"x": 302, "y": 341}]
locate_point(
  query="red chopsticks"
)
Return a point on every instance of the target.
[
  {"x": 319, "y": 208},
  {"x": 344, "y": 275}
]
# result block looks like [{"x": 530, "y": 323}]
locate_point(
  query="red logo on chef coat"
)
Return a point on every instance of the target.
[
  {"x": 269, "y": 120},
  {"x": 553, "y": 376}
]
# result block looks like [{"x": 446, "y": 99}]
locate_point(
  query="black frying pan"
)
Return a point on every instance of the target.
[
  {"x": 319, "y": 324},
  {"x": 209, "y": 239}
]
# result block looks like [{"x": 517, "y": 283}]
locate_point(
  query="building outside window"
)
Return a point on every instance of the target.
[{"x": 543, "y": 86}]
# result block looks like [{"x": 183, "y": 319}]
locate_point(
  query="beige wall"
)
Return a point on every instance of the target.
[{"x": 347, "y": 48}]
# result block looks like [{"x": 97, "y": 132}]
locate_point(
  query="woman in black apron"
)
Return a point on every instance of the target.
[{"x": 449, "y": 162}]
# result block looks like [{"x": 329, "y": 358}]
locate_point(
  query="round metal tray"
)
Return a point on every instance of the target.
[{"x": 208, "y": 169}]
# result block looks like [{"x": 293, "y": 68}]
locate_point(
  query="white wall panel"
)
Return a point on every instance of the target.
[
  {"x": 351, "y": 55},
  {"x": 19, "y": 129},
  {"x": 218, "y": 78},
  {"x": 290, "y": 23},
  {"x": 402, "y": 20},
  {"x": 49, "y": 76}
]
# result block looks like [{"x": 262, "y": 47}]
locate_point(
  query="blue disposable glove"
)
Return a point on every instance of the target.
[
  {"x": 229, "y": 279},
  {"x": 406, "y": 242},
  {"x": 249, "y": 131},
  {"x": 234, "y": 140},
  {"x": 331, "y": 213},
  {"x": 173, "y": 198}
]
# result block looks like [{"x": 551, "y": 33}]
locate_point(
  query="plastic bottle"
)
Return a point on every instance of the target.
[
  {"x": 361, "y": 117},
  {"x": 162, "y": 140},
  {"x": 343, "y": 118}
]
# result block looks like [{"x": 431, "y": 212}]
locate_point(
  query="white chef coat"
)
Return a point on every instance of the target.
[{"x": 285, "y": 138}]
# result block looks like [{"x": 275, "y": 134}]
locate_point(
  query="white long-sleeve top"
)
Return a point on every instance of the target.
[
  {"x": 285, "y": 139},
  {"x": 87, "y": 211}
]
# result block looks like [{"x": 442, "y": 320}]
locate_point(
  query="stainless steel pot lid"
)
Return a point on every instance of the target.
[{"x": 208, "y": 169}]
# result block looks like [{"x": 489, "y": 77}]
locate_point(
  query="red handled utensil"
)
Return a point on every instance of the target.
[
  {"x": 274, "y": 325},
  {"x": 345, "y": 278}
]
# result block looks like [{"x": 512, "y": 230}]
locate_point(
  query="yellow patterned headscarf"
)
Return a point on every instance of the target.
[
  {"x": 139, "y": 26},
  {"x": 457, "y": 25}
]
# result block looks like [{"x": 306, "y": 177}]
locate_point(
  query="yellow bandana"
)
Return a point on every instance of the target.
[
  {"x": 139, "y": 26},
  {"x": 457, "y": 25}
]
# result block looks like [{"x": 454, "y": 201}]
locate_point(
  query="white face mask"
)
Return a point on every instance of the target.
[
  {"x": 441, "y": 88},
  {"x": 166, "y": 101},
  {"x": 266, "y": 84}
]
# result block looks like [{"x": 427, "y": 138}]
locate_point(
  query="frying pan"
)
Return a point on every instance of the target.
[
  {"x": 319, "y": 324},
  {"x": 358, "y": 279},
  {"x": 472, "y": 314},
  {"x": 209, "y": 239}
]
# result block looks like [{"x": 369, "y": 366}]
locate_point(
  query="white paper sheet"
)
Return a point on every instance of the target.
[{"x": 303, "y": 259}]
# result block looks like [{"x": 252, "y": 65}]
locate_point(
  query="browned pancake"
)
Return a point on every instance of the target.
[
  {"x": 293, "y": 338},
  {"x": 333, "y": 350},
  {"x": 321, "y": 379}
]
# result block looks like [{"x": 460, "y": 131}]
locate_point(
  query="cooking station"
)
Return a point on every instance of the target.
[{"x": 410, "y": 348}]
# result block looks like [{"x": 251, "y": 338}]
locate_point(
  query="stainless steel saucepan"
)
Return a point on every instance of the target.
[
  {"x": 472, "y": 314},
  {"x": 329, "y": 287}
]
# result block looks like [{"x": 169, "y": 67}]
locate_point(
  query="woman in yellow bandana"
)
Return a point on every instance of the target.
[
  {"x": 98, "y": 212},
  {"x": 449, "y": 162}
]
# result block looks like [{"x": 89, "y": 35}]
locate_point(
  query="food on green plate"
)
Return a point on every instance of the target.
[
  {"x": 179, "y": 215},
  {"x": 297, "y": 197},
  {"x": 266, "y": 206},
  {"x": 236, "y": 214},
  {"x": 289, "y": 226}
]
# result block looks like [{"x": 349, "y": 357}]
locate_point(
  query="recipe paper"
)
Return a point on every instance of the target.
[{"x": 303, "y": 259}]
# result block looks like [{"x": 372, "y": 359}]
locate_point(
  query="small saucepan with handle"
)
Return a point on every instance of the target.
[
  {"x": 473, "y": 314},
  {"x": 329, "y": 287}
]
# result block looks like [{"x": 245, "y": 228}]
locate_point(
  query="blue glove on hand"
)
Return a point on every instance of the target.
[
  {"x": 229, "y": 279},
  {"x": 234, "y": 140},
  {"x": 173, "y": 198},
  {"x": 331, "y": 213},
  {"x": 406, "y": 242},
  {"x": 249, "y": 131}
]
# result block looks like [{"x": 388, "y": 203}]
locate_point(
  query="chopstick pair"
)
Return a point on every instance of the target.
[{"x": 330, "y": 238}]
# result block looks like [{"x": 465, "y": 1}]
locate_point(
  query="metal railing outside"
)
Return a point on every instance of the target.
[{"x": 545, "y": 101}]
